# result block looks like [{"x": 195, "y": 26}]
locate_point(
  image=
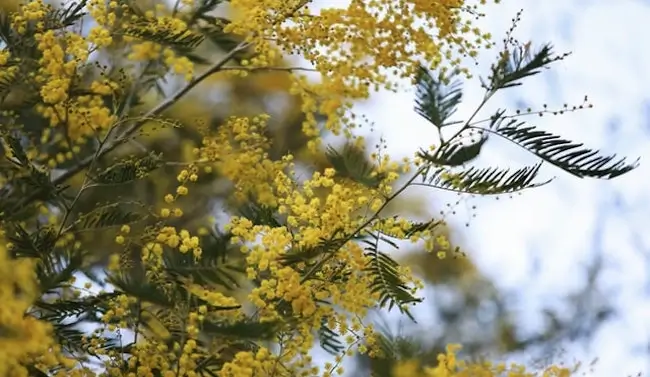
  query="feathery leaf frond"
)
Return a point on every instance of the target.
[
  {"x": 566, "y": 155},
  {"x": 485, "y": 181},
  {"x": 352, "y": 163},
  {"x": 436, "y": 98},
  {"x": 128, "y": 170},
  {"x": 329, "y": 339},
  {"x": 151, "y": 32},
  {"x": 519, "y": 63},
  {"x": 386, "y": 278},
  {"x": 458, "y": 151},
  {"x": 107, "y": 216}
]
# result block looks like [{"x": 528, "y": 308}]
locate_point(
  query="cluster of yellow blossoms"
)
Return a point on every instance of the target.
[
  {"x": 357, "y": 48},
  {"x": 450, "y": 366}
]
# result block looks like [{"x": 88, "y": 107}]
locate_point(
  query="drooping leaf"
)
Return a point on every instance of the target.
[
  {"x": 323, "y": 247},
  {"x": 65, "y": 16},
  {"x": 520, "y": 63},
  {"x": 33, "y": 244},
  {"x": 436, "y": 98},
  {"x": 152, "y": 32},
  {"x": 134, "y": 284},
  {"x": 107, "y": 216},
  {"x": 61, "y": 310},
  {"x": 386, "y": 278},
  {"x": 483, "y": 181},
  {"x": 568, "y": 156},
  {"x": 16, "y": 148},
  {"x": 55, "y": 268},
  {"x": 258, "y": 214},
  {"x": 352, "y": 163},
  {"x": 245, "y": 329},
  {"x": 8, "y": 79},
  {"x": 458, "y": 151},
  {"x": 207, "y": 270},
  {"x": 128, "y": 170},
  {"x": 329, "y": 339}
]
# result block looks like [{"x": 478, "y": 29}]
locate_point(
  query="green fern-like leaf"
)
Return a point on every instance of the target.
[
  {"x": 36, "y": 244},
  {"x": 128, "y": 170},
  {"x": 436, "y": 98},
  {"x": 204, "y": 7},
  {"x": 136, "y": 285},
  {"x": 330, "y": 340},
  {"x": 486, "y": 181},
  {"x": 65, "y": 16},
  {"x": 208, "y": 270},
  {"x": 214, "y": 32},
  {"x": 258, "y": 214},
  {"x": 566, "y": 155},
  {"x": 245, "y": 329},
  {"x": 107, "y": 216},
  {"x": 519, "y": 63},
  {"x": 386, "y": 279},
  {"x": 61, "y": 310},
  {"x": 458, "y": 151},
  {"x": 325, "y": 246},
  {"x": 352, "y": 163},
  {"x": 17, "y": 150},
  {"x": 149, "y": 31},
  {"x": 53, "y": 269}
]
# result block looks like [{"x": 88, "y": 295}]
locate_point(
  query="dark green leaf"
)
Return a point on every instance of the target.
[
  {"x": 245, "y": 329},
  {"x": 520, "y": 63},
  {"x": 16, "y": 149},
  {"x": 436, "y": 99},
  {"x": 353, "y": 164},
  {"x": 128, "y": 170},
  {"x": 107, "y": 216},
  {"x": 386, "y": 279},
  {"x": 568, "y": 156},
  {"x": 36, "y": 244},
  {"x": 487, "y": 181},
  {"x": 330, "y": 340},
  {"x": 149, "y": 31},
  {"x": 458, "y": 152}
]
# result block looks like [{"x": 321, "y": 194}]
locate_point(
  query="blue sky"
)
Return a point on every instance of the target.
[{"x": 564, "y": 224}]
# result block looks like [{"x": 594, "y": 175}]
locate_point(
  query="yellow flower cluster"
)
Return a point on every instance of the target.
[
  {"x": 449, "y": 366},
  {"x": 240, "y": 153},
  {"x": 23, "y": 338}
]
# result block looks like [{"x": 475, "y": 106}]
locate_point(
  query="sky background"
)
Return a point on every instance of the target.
[{"x": 559, "y": 228}]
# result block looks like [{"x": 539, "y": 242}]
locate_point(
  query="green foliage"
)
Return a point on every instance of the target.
[
  {"x": 128, "y": 170},
  {"x": 329, "y": 339},
  {"x": 149, "y": 32},
  {"x": 352, "y": 163},
  {"x": 486, "y": 181},
  {"x": 456, "y": 152},
  {"x": 387, "y": 279},
  {"x": 568, "y": 156},
  {"x": 107, "y": 216},
  {"x": 437, "y": 99}
]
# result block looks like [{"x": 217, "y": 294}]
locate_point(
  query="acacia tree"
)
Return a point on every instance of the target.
[{"x": 85, "y": 116}]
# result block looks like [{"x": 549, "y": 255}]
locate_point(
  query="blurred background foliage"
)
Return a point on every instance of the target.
[{"x": 462, "y": 305}]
